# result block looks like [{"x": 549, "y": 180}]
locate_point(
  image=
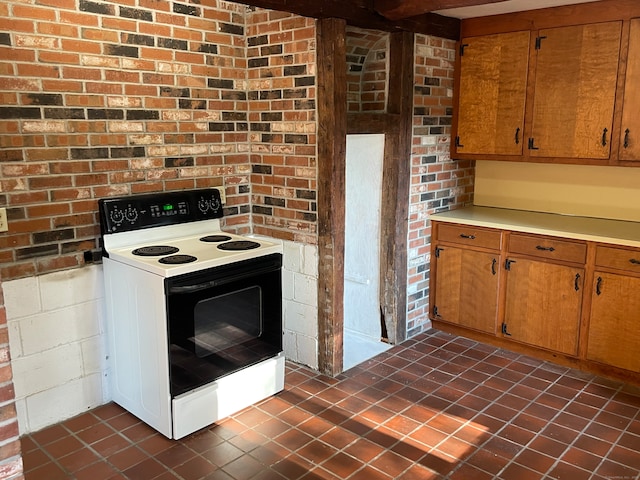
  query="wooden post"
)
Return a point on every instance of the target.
[{"x": 332, "y": 141}]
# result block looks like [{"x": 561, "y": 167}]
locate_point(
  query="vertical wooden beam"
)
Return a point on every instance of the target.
[
  {"x": 332, "y": 140},
  {"x": 396, "y": 182}
]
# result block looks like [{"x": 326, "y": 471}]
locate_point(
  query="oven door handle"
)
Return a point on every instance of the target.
[
  {"x": 193, "y": 288},
  {"x": 178, "y": 289}
]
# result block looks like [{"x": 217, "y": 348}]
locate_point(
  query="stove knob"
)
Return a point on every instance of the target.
[
  {"x": 131, "y": 214},
  {"x": 117, "y": 216},
  {"x": 203, "y": 205},
  {"x": 215, "y": 204}
]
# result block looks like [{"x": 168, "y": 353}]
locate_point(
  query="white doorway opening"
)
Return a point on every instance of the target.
[{"x": 363, "y": 327}]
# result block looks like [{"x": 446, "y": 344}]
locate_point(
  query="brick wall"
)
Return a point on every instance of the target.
[
  {"x": 437, "y": 182},
  {"x": 102, "y": 99},
  {"x": 367, "y": 67},
  {"x": 281, "y": 59},
  {"x": 10, "y": 459}
]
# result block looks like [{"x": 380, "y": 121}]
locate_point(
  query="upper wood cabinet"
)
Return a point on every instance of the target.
[
  {"x": 492, "y": 92},
  {"x": 572, "y": 88},
  {"x": 575, "y": 89},
  {"x": 629, "y": 149}
]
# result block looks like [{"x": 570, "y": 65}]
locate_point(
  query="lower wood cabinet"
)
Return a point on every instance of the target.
[
  {"x": 543, "y": 304},
  {"x": 466, "y": 290},
  {"x": 614, "y": 320},
  {"x": 513, "y": 288}
]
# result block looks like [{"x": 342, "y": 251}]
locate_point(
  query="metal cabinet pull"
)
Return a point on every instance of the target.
[
  {"x": 604, "y": 137},
  {"x": 577, "y": 287},
  {"x": 504, "y": 330},
  {"x": 470, "y": 237},
  {"x": 493, "y": 266},
  {"x": 517, "y": 136},
  {"x": 626, "y": 138},
  {"x": 545, "y": 249},
  {"x": 634, "y": 261},
  {"x": 598, "y": 285}
]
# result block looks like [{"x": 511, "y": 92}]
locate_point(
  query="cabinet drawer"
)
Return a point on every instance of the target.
[
  {"x": 469, "y": 235},
  {"x": 551, "y": 248},
  {"x": 619, "y": 258}
]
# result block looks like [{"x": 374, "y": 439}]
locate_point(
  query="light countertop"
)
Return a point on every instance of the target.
[{"x": 617, "y": 232}]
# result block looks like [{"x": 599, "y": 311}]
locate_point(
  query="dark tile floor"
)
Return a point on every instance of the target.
[{"x": 435, "y": 407}]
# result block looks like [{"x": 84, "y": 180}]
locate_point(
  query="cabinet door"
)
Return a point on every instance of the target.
[
  {"x": 630, "y": 133},
  {"x": 543, "y": 304},
  {"x": 466, "y": 289},
  {"x": 575, "y": 86},
  {"x": 614, "y": 327},
  {"x": 493, "y": 81}
]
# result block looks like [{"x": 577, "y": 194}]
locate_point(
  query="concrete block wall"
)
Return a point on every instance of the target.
[
  {"x": 300, "y": 303},
  {"x": 56, "y": 336}
]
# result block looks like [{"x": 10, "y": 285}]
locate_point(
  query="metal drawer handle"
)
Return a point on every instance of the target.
[
  {"x": 470, "y": 237},
  {"x": 634, "y": 261},
  {"x": 545, "y": 249},
  {"x": 577, "y": 287},
  {"x": 626, "y": 138},
  {"x": 598, "y": 286},
  {"x": 493, "y": 266},
  {"x": 604, "y": 137}
]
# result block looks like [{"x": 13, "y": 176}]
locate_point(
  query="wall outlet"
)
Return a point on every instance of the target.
[{"x": 4, "y": 225}]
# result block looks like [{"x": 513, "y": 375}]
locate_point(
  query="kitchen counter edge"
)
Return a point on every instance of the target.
[{"x": 616, "y": 232}]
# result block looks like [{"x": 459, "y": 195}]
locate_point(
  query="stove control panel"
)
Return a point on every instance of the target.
[{"x": 123, "y": 214}]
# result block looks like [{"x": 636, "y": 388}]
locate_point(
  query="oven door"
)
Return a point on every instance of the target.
[{"x": 223, "y": 319}]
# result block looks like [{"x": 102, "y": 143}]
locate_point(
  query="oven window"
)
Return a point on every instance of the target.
[{"x": 227, "y": 323}]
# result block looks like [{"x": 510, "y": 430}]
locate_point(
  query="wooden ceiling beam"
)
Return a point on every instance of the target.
[
  {"x": 401, "y": 9},
  {"x": 361, "y": 13}
]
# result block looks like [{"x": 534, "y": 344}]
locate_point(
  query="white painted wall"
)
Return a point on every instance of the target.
[
  {"x": 583, "y": 190},
  {"x": 58, "y": 342},
  {"x": 363, "y": 195}
]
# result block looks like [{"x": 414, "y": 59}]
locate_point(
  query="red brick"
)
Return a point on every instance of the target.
[
  {"x": 23, "y": 170},
  {"x": 24, "y": 11},
  {"x": 50, "y": 182},
  {"x": 81, "y": 46},
  {"x": 15, "y": 241},
  {"x": 10, "y": 449},
  {"x": 79, "y": 18},
  {"x": 84, "y": 206},
  {"x": 15, "y": 55},
  {"x": 48, "y": 210},
  {"x": 115, "y": 23},
  {"x": 32, "y": 225},
  {"x": 100, "y": 34},
  {"x": 19, "y": 270},
  {"x": 5, "y": 376},
  {"x": 45, "y": 265}
]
